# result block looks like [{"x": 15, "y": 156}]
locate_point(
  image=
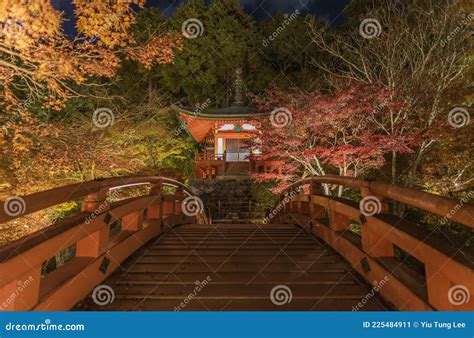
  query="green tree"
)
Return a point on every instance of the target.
[
  {"x": 287, "y": 48},
  {"x": 206, "y": 67}
]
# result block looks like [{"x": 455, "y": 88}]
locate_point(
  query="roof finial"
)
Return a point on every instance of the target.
[{"x": 238, "y": 86}]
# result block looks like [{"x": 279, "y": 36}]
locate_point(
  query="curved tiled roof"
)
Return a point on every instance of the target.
[{"x": 234, "y": 111}]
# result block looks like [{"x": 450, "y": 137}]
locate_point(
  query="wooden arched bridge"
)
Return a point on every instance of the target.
[{"x": 159, "y": 251}]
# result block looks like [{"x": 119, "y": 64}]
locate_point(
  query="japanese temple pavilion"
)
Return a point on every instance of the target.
[{"x": 226, "y": 137}]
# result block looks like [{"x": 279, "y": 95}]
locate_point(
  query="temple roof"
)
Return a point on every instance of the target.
[
  {"x": 235, "y": 111},
  {"x": 200, "y": 122}
]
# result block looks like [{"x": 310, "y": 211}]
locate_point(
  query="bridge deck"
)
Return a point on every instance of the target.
[{"x": 235, "y": 267}]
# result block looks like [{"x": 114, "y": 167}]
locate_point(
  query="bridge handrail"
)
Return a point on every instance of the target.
[
  {"x": 97, "y": 250},
  {"x": 48, "y": 198},
  {"x": 438, "y": 205},
  {"x": 447, "y": 270}
]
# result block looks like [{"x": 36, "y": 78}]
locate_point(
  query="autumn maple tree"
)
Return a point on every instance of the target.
[
  {"x": 40, "y": 64},
  {"x": 338, "y": 133}
]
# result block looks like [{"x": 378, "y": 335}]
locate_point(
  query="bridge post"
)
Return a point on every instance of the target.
[
  {"x": 22, "y": 293},
  {"x": 337, "y": 221},
  {"x": 168, "y": 206},
  {"x": 442, "y": 287},
  {"x": 96, "y": 202},
  {"x": 284, "y": 211},
  {"x": 133, "y": 222},
  {"x": 95, "y": 243},
  {"x": 179, "y": 197},
  {"x": 304, "y": 198},
  {"x": 373, "y": 242},
  {"x": 316, "y": 211},
  {"x": 155, "y": 210}
]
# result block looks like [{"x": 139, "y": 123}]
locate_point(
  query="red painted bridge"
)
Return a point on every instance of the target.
[{"x": 159, "y": 251}]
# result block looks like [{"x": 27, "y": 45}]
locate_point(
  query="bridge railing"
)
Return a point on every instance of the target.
[
  {"x": 446, "y": 281},
  {"x": 98, "y": 252}
]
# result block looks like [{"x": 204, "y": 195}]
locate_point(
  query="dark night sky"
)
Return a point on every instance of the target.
[{"x": 260, "y": 9}]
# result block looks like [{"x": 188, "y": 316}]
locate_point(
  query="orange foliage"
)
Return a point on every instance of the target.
[{"x": 38, "y": 62}]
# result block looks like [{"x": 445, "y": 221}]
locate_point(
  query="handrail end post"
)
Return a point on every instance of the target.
[
  {"x": 96, "y": 201},
  {"x": 13, "y": 300}
]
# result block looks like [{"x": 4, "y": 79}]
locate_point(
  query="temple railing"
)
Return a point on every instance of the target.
[
  {"x": 209, "y": 156},
  {"x": 209, "y": 164},
  {"x": 446, "y": 280},
  {"x": 98, "y": 252}
]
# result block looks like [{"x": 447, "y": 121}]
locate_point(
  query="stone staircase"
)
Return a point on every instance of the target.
[{"x": 228, "y": 200}]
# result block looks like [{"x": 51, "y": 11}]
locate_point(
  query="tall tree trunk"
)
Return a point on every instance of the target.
[
  {"x": 410, "y": 180},
  {"x": 150, "y": 89},
  {"x": 394, "y": 166}
]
